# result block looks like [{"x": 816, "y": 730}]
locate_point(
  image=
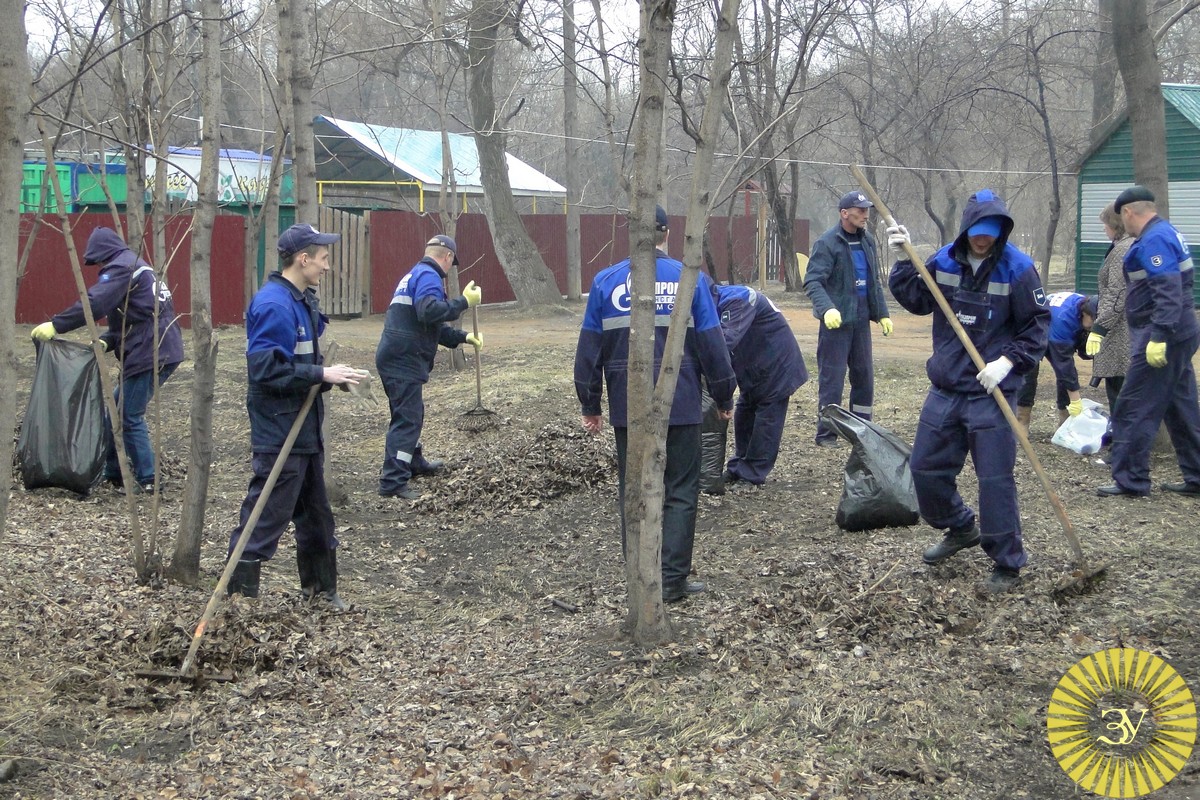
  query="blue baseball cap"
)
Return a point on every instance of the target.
[
  {"x": 300, "y": 236},
  {"x": 660, "y": 218},
  {"x": 854, "y": 200},
  {"x": 988, "y": 226}
]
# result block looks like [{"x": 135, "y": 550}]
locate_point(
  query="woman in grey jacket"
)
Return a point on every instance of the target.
[{"x": 1108, "y": 343}]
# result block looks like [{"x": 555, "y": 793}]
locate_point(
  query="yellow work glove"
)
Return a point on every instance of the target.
[
  {"x": 886, "y": 325},
  {"x": 44, "y": 332},
  {"x": 103, "y": 345},
  {"x": 475, "y": 339},
  {"x": 833, "y": 319},
  {"x": 1156, "y": 354},
  {"x": 1075, "y": 407},
  {"x": 1094, "y": 341},
  {"x": 473, "y": 295}
]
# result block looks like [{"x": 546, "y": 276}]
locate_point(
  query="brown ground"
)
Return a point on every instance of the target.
[{"x": 820, "y": 664}]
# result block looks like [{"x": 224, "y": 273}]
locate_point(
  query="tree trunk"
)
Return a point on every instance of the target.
[
  {"x": 571, "y": 153},
  {"x": 1142, "y": 76},
  {"x": 1104, "y": 75},
  {"x": 14, "y": 115},
  {"x": 531, "y": 281},
  {"x": 295, "y": 33},
  {"x": 130, "y": 73},
  {"x": 185, "y": 562}
]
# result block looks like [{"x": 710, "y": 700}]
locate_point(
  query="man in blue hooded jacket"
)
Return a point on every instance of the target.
[
  {"x": 997, "y": 296},
  {"x": 842, "y": 281},
  {"x": 1160, "y": 385},
  {"x": 769, "y": 369},
  {"x": 142, "y": 327},
  {"x": 601, "y": 359},
  {"x": 1071, "y": 318},
  {"x": 417, "y": 322}
]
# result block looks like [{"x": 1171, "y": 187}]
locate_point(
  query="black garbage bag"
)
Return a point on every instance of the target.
[
  {"x": 714, "y": 434},
  {"x": 878, "y": 490},
  {"x": 62, "y": 439}
]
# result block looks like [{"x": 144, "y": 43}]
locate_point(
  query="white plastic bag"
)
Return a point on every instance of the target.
[{"x": 1082, "y": 434}]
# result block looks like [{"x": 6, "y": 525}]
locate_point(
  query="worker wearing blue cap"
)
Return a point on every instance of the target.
[
  {"x": 417, "y": 322},
  {"x": 997, "y": 296}
]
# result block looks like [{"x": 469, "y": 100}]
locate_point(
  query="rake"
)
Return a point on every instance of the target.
[{"x": 478, "y": 418}]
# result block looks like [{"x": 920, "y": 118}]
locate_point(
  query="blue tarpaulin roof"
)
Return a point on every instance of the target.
[{"x": 357, "y": 151}]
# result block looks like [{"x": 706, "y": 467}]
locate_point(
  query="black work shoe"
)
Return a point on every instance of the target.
[
  {"x": 1190, "y": 489},
  {"x": 729, "y": 476},
  {"x": 428, "y": 467},
  {"x": 405, "y": 492},
  {"x": 829, "y": 442},
  {"x": 1001, "y": 580},
  {"x": 950, "y": 544},
  {"x": 1116, "y": 490},
  {"x": 245, "y": 578},
  {"x": 678, "y": 592}
]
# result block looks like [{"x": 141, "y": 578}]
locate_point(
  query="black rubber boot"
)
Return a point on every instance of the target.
[
  {"x": 244, "y": 580},
  {"x": 318, "y": 577}
]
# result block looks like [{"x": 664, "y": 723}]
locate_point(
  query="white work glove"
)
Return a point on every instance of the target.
[
  {"x": 897, "y": 238},
  {"x": 995, "y": 371}
]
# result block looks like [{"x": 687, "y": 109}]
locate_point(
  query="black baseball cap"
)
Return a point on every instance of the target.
[
  {"x": 442, "y": 240},
  {"x": 854, "y": 200},
  {"x": 300, "y": 236},
  {"x": 1133, "y": 194}
]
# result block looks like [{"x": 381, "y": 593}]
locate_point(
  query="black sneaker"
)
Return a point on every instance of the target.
[
  {"x": 950, "y": 544},
  {"x": 1001, "y": 580},
  {"x": 676, "y": 593}
]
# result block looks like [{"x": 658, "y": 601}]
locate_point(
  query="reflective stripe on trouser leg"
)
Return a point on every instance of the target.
[
  {"x": 861, "y": 370},
  {"x": 404, "y": 431}
]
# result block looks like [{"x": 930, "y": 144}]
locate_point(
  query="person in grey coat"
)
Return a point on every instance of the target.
[
  {"x": 843, "y": 282},
  {"x": 1108, "y": 343}
]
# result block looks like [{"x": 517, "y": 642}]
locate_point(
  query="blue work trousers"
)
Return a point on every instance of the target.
[
  {"x": 1150, "y": 397},
  {"x": 137, "y": 392},
  {"x": 299, "y": 497},
  {"x": 845, "y": 350},
  {"x": 757, "y": 432},
  {"x": 953, "y": 424},
  {"x": 404, "y": 432},
  {"x": 681, "y": 491}
]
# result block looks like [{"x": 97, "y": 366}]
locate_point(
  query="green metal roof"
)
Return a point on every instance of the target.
[
  {"x": 362, "y": 152},
  {"x": 1185, "y": 98}
]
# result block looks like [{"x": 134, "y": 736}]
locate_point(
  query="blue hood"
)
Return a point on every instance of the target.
[
  {"x": 103, "y": 246},
  {"x": 985, "y": 203}
]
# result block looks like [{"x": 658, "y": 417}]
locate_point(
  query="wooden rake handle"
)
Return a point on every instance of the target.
[{"x": 969, "y": 346}]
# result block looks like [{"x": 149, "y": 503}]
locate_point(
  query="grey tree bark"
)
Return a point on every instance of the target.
[
  {"x": 185, "y": 562},
  {"x": 1142, "y": 76},
  {"x": 571, "y": 153},
  {"x": 14, "y": 114},
  {"x": 295, "y": 31},
  {"x": 530, "y": 278}
]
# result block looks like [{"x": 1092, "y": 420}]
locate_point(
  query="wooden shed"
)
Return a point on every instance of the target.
[{"x": 1107, "y": 168}]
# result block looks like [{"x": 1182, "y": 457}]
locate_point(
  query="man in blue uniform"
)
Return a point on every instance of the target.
[
  {"x": 601, "y": 358},
  {"x": 417, "y": 322},
  {"x": 1160, "y": 385},
  {"x": 997, "y": 296},
  {"x": 1071, "y": 318},
  {"x": 769, "y": 369},
  {"x": 284, "y": 361},
  {"x": 842, "y": 281},
  {"x": 130, "y": 295}
]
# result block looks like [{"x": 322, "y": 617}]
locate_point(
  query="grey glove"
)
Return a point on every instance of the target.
[{"x": 362, "y": 391}]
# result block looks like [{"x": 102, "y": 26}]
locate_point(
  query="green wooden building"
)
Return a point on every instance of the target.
[{"x": 1107, "y": 168}]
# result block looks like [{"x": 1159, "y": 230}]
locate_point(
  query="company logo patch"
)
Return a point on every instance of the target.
[
  {"x": 1039, "y": 296},
  {"x": 1121, "y": 723},
  {"x": 1156, "y": 261}
]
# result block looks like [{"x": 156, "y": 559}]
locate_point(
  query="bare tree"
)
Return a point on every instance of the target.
[
  {"x": 185, "y": 563},
  {"x": 1142, "y": 76},
  {"x": 571, "y": 151},
  {"x": 14, "y": 112}
]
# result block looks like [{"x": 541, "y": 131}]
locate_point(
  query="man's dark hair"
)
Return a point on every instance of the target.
[{"x": 311, "y": 250}]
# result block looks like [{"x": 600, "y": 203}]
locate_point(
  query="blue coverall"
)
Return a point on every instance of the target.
[
  {"x": 1002, "y": 306},
  {"x": 1158, "y": 304},
  {"x": 283, "y": 356},
  {"x": 601, "y": 359},
  {"x": 415, "y": 325},
  {"x": 769, "y": 368},
  {"x": 1066, "y": 339},
  {"x": 843, "y": 274}
]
